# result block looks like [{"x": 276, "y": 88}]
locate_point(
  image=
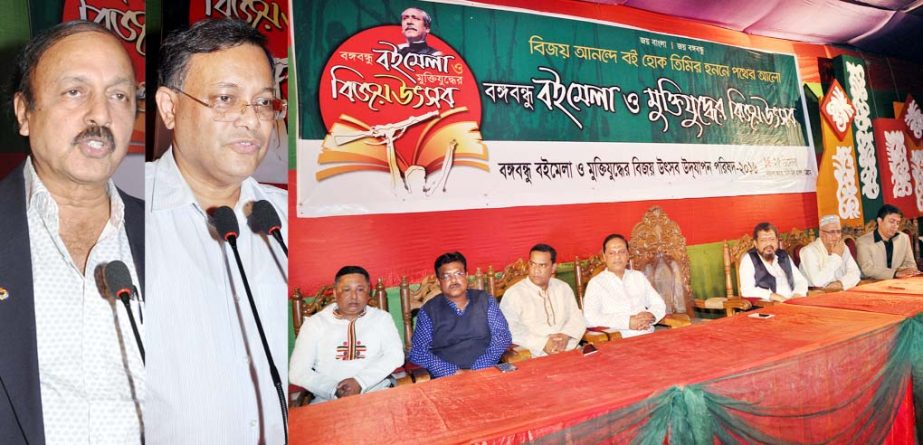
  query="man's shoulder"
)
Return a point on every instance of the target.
[
  {"x": 275, "y": 195},
  {"x": 868, "y": 238}
]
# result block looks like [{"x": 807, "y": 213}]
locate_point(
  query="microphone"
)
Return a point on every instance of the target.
[
  {"x": 266, "y": 220},
  {"x": 225, "y": 221},
  {"x": 120, "y": 287}
]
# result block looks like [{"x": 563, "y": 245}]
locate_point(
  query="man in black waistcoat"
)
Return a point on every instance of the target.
[
  {"x": 766, "y": 271},
  {"x": 460, "y": 329}
]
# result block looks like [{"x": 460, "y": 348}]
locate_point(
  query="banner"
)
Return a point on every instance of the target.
[
  {"x": 896, "y": 172},
  {"x": 415, "y": 107},
  {"x": 852, "y": 75}
]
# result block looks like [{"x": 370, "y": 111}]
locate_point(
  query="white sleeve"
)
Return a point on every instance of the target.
[
  {"x": 596, "y": 311},
  {"x": 748, "y": 281},
  {"x": 392, "y": 354},
  {"x": 801, "y": 283},
  {"x": 511, "y": 307},
  {"x": 810, "y": 267},
  {"x": 853, "y": 274},
  {"x": 304, "y": 359}
]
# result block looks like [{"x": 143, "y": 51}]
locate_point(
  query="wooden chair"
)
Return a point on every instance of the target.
[
  {"x": 658, "y": 250},
  {"x": 792, "y": 242},
  {"x": 583, "y": 272},
  {"x": 732, "y": 256},
  {"x": 852, "y": 234},
  {"x": 412, "y": 299},
  {"x": 499, "y": 282},
  {"x": 304, "y": 307}
]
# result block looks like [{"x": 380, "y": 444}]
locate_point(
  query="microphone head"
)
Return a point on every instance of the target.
[
  {"x": 225, "y": 221},
  {"x": 265, "y": 219},
  {"x": 118, "y": 280}
]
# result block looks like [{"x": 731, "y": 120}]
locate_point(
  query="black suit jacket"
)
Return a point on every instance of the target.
[{"x": 20, "y": 394}]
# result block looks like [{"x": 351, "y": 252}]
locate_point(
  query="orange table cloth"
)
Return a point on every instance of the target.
[
  {"x": 601, "y": 397},
  {"x": 903, "y": 286}
]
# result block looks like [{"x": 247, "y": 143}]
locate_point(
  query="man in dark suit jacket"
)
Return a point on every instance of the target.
[{"x": 74, "y": 97}]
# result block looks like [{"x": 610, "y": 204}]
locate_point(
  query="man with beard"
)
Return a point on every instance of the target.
[
  {"x": 208, "y": 377},
  {"x": 886, "y": 252},
  {"x": 415, "y": 27},
  {"x": 460, "y": 329},
  {"x": 70, "y": 370},
  {"x": 766, "y": 271}
]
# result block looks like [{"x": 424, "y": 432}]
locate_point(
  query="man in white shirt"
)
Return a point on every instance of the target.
[
  {"x": 541, "y": 310},
  {"x": 209, "y": 378},
  {"x": 70, "y": 368},
  {"x": 827, "y": 263},
  {"x": 766, "y": 271},
  {"x": 348, "y": 348},
  {"x": 620, "y": 298}
]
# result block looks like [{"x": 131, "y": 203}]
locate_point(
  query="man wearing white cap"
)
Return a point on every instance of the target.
[{"x": 826, "y": 262}]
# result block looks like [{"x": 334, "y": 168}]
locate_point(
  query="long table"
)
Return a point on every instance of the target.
[{"x": 793, "y": 362}]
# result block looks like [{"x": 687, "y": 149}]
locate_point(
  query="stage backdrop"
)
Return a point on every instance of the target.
[
  {"x": 503, "y": 109},
  {"x": 392, "y": 245}
]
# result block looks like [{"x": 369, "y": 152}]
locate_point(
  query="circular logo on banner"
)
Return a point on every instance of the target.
[{"x": 409, "y": 111}]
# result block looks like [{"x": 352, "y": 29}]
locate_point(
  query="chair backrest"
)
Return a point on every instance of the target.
[
  {"x": 658, "y": 249},
  {"x": 851, "y": 234},
  {"x": 499, "y": 282},
  {"x": 584, "y": 270},
  {"x": 912, "y": 229},
  {"x": 412, "y": 298},
  {"x": 304, "y": 307},
  {"x": 793, "y": 241},
  {"x": 732, "y": 254}
]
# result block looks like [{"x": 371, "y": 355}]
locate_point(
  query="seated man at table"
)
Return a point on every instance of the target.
[
  {"x": 541, "y": 310},
  {"x": 621, "y": 298},
  {"x": 460, "y": 329},
  {"x": 347, "y": 348},
  {"x": 826, "y": 262},
  {"x": 886, "y": 252},
  {"x": 766, "y": 271}
]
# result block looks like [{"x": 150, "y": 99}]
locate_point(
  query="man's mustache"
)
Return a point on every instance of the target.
[{"x": 96, "y": 132}]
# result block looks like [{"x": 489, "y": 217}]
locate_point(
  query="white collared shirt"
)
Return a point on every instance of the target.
[
  {"x": 748, "y": 279},
  {"x": 85, "y": 342},
  {"x": 534, "y": 314},
  {"x": 821, "y": 268},
  {"x": 611, "y": 301},
  {"x": 208, "y": 378},
  {"x": 318, "y": 363}
]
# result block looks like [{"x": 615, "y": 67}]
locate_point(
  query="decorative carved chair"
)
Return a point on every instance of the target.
[
  {"x": 304, "y": 307},
  {"x": 658, "y": 250},
  {"x": 412, "y": 299},
  {"x": 792, "y": 242},
  {"x": 498, "y": 283},
  {"x": 583, "y": 272}
]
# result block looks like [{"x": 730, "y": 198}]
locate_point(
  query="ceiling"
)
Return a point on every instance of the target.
[{"x": 888, "y": 27}]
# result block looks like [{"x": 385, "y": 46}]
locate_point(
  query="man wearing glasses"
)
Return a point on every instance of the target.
[
  {"x": 460, "y": 329},
  {"x": 541, "y": 310},
  {"x": 766, "y": 271},
  {"x": 826, "y": 262},
  {"x": 209, "y": 380}
]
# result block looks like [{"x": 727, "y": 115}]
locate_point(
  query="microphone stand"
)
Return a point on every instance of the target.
[
  {"x": 277, "y": 234},
  {"x": 276, "y": 379},
  {"x": 124, "y": 296}
]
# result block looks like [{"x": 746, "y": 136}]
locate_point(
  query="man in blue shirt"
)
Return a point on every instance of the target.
[{"x": 460, "y": 329}]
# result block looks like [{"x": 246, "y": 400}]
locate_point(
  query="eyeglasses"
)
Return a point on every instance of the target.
[
  {"x": 450, "y": 275},
  {"x": 229, "y": 108}
]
